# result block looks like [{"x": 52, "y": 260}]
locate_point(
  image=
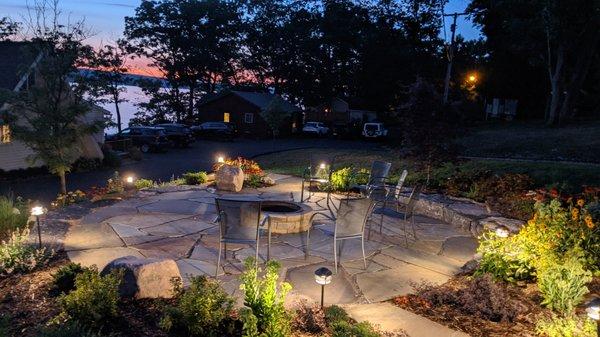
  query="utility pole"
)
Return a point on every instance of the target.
[{"x": 450, "y": 55}]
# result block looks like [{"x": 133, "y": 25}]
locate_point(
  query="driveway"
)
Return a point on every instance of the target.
[{"x": 162, "y": 166}]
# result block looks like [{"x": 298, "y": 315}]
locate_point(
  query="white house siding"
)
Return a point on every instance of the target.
[{"x": 13, "y": 156}]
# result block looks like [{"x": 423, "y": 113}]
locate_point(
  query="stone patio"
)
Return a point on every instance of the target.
[{"x": 178, "y": 223}]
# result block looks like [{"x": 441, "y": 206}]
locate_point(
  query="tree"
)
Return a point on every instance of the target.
[
  {"x": 106, "y": 80},
  {"x": 194, "y": 43},
  {"x": 275, "y": 114},
  {"x": 47, "y": 116},
  {"x": 557, "y": 39},
  {"x": 8, "y": 28}
]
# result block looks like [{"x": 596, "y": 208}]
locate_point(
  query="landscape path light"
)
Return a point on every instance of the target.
[
  {"x": 502, "y": 231},
  {"x": 129, "y": 182},
  {"x": 323, "y": 277},
  {"x": 220, "y": 159},
  {"x": 593, "y": 312},
  {"x": 37, "y": 211}
]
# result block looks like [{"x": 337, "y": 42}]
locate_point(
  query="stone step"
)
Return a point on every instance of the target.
[{"x": 392, "y": 318}]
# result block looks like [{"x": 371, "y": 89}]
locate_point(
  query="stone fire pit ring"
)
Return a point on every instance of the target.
[{"x": 287, "y": 217}]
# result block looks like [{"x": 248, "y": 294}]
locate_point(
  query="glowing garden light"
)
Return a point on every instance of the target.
[
  {"x": 323, "y": 277},
  {"x": 502, "y": 231},
  {"x": 37, "y": 211}
]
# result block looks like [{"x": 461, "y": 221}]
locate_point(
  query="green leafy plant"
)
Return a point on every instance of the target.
[
  {"x": 563, "y": 283},
  {"x": 94, "y": 302},
  {"x": 17, "y": 256},
  {"x": 195, "y": 178},
  {"x": 254, "y": 181},
  {"x": 345, "y": 329},
  {"x": 71, "y": 329},
  {"x": 265, "y": 298},
  {"x": 341, "y": 179},
  {"x": 144, "y": 183},
  {"x": 14, "y": 214},
  {"x": 570, "y": 326},
  {"x": 204, "y": 309},
  {"x": 63, "y": 281},
  {"x": 335, "y": 313},
  {"x": 115, "y": 184}
]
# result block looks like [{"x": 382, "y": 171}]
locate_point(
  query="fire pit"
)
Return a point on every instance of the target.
[{"x": 287, "y": 217}]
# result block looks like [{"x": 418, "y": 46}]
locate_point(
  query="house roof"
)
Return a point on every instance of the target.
[
  {"x": 14, "y": 63},
  {"x": 259, "y": 99}
]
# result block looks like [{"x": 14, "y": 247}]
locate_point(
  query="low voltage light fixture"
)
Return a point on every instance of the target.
[
  {"x": 37, "y": 211},
  {"x": 502, "y": 231},
  {"x": 593, "y": 311},
  {"x": 323, "y": 277},
  {"x": 220, "y": 159}
]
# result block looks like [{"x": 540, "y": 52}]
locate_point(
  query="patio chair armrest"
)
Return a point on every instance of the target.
[
  {"x": 219, "y": 216},
  {"x": 312, "y": 217},
  {"x": 306, "y": 173},
  {"x": 264, "y": 221}
]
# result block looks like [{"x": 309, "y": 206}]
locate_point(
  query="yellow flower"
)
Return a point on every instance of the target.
[
  {"x": 589, "y": 222},
  {"x": 580, "y": 202},
  {"x": 531, "y": 222}
]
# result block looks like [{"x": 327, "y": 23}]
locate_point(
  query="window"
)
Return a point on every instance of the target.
[
  {"x": 249, "y": 118},
  {"x": 5, "y": 137},
  {"x": 226, "y": 117}
]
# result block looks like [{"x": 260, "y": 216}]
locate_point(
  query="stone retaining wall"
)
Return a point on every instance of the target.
[{"x": 464, "y": 213}]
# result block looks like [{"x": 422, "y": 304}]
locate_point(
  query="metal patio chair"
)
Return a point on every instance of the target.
[
  {"x": 404, "y": 212},
  {"x": 382, "y": 195},
  {"x": 350, "y": 222},
  {"x": 318, "y": 171},
  {"x": 240, "y": 222},
  {"x": 377, "y": 177}
]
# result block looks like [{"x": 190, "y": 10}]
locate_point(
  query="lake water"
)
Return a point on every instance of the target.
[{"x": 133, "y": 95}]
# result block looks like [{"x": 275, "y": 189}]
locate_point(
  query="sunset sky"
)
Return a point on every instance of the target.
[{"x": 106, "y": 19}]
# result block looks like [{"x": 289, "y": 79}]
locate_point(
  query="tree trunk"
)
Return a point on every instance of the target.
[
  {"x": 63, "y": 182},
  {"x": 555, "y": 84},
  {"x": 191, "y": 104},
  {"x": 118, "y": 112}
]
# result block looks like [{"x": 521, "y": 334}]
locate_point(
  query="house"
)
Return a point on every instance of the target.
[
  {"x": 338, "y": 112},
  {"x": 17, "y": 71},
  {"x": 243, "y": 110}
]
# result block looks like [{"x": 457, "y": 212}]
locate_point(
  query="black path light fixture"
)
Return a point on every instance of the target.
[
  {"x": 130, "y": 181},
  {"x": 323, "y": 277},
  {"x": 38, "y": 211},
  {"x": 593, "y": 311}
]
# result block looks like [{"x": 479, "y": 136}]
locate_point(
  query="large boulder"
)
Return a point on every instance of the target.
[
  {"x": 145, "y": 278},
  {"x": 229, "y": 178}
]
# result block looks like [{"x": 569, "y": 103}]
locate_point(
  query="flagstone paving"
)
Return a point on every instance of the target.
[{"x": 179, "y": 224}]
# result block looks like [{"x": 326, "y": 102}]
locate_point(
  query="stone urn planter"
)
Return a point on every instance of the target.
[{"x": 229, "y": 178}]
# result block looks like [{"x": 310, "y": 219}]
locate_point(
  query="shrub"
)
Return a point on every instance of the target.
[
  {"x": 144, "y": 183},
  {"x": 94, "y": 302},
  {"x": 341, "y": 179},
  {"x": 63, "y": 281},
  {"x": 69, "y": 198},
  {"x": 248, "y": 166},
  {"x": 195, "y": 178},
  {"x": 481, "y": 297},
  {"x": 563, "y": 284},
  {"x": 111, "y": 158},
  {"x": 14, "y": 214},
  {"x": 570, "y": 326},
  {"x": 335, "y": 313},
  {"x": 203, "y": 309},
  {"x": 86, "y": 164},
  {"x": 16, "y": 256},
  {"x": 309, "y": 319},
  {"x": 70, "y": 329},
  {"x": 253, "y": 181},
  {"x": 115, "y": 184},
  {"x": 346, "y": 329},
  {"x": 265, "y": 298}
]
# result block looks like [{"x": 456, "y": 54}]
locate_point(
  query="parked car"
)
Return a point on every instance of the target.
[
  {"x": 147, "y": 138},
  {"x": 374, "y": 130},
  {"x": 179, "y": 134},
  {"x": 214, "y": 130},
  {"x": 315, "y": 128}
]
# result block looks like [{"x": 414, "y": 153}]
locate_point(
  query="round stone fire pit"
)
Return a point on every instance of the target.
[{"x": 287, "y": 217}]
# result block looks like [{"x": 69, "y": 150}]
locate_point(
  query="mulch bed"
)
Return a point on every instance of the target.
[
  {"x": 27, "y": 303},
  {"x": 457, "y": 319}
]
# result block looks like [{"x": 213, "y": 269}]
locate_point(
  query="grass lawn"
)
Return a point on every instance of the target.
[
  {"x": 568, "y": 176},
  {"x": 534, "y": 141}
]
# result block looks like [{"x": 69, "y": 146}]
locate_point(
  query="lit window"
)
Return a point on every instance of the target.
[
  {"x": 5, "y": 134},
  {"x": 249, "y": 118},
  {"x": 226, "y": 117}
]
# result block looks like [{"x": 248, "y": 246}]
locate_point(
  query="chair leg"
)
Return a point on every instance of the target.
[
  {"x": 405, "y": 233},
  {"x": 269, "y": 242},
  {"x": 362, "y": 239},
  {"x": 335, "y": 255},
  {"x": 412, "y": 221},
  {"x": 307, "y": 249},
  {"x": 256, "y": 253},
  {"x": 218, "y": 260},
  {"x": 225, "y": 251},
  {"x": 302, "y": 192}
]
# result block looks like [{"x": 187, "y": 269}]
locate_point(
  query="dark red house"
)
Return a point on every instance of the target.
[{"x": 242, "y": 109}]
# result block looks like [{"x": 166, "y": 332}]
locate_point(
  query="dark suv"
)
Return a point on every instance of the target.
[
  {"x": 214, "y": 130},
  {"x": 147, "y": 138},
  {"x": 179, "y": 134}
]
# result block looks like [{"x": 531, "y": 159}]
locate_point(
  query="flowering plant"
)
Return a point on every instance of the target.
[
  {"x": 68, "y": 198},
  {"x": 249, "y": 167}
]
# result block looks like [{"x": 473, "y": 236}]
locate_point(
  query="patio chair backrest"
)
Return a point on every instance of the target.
[
  {"x": 352, "y": 216},
  {"x": 379, "y": 173},
  {"x": 413, "y": 198},
  {"x": 238, "y": 219},
  {"x": 400, "y": 184},
  {"x": 321, "y": 165}
]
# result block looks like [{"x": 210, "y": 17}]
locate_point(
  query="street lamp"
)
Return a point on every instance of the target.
[
  {"x": 593, "y": 312},
  {"x": 323, "y": 166},
  {"x": 472, "y": 78},
  {"x": 502, "y": 231},
  {"x": 37, "y": 211},
  {"x": 323, "y": 277}
]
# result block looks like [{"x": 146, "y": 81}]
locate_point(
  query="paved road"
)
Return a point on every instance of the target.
[{"x": 162, "y": 166}]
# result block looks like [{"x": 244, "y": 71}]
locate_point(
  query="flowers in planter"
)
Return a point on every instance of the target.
[
  {"x": 254, "y": 176},
  {"x": 68, "y": 198}
]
